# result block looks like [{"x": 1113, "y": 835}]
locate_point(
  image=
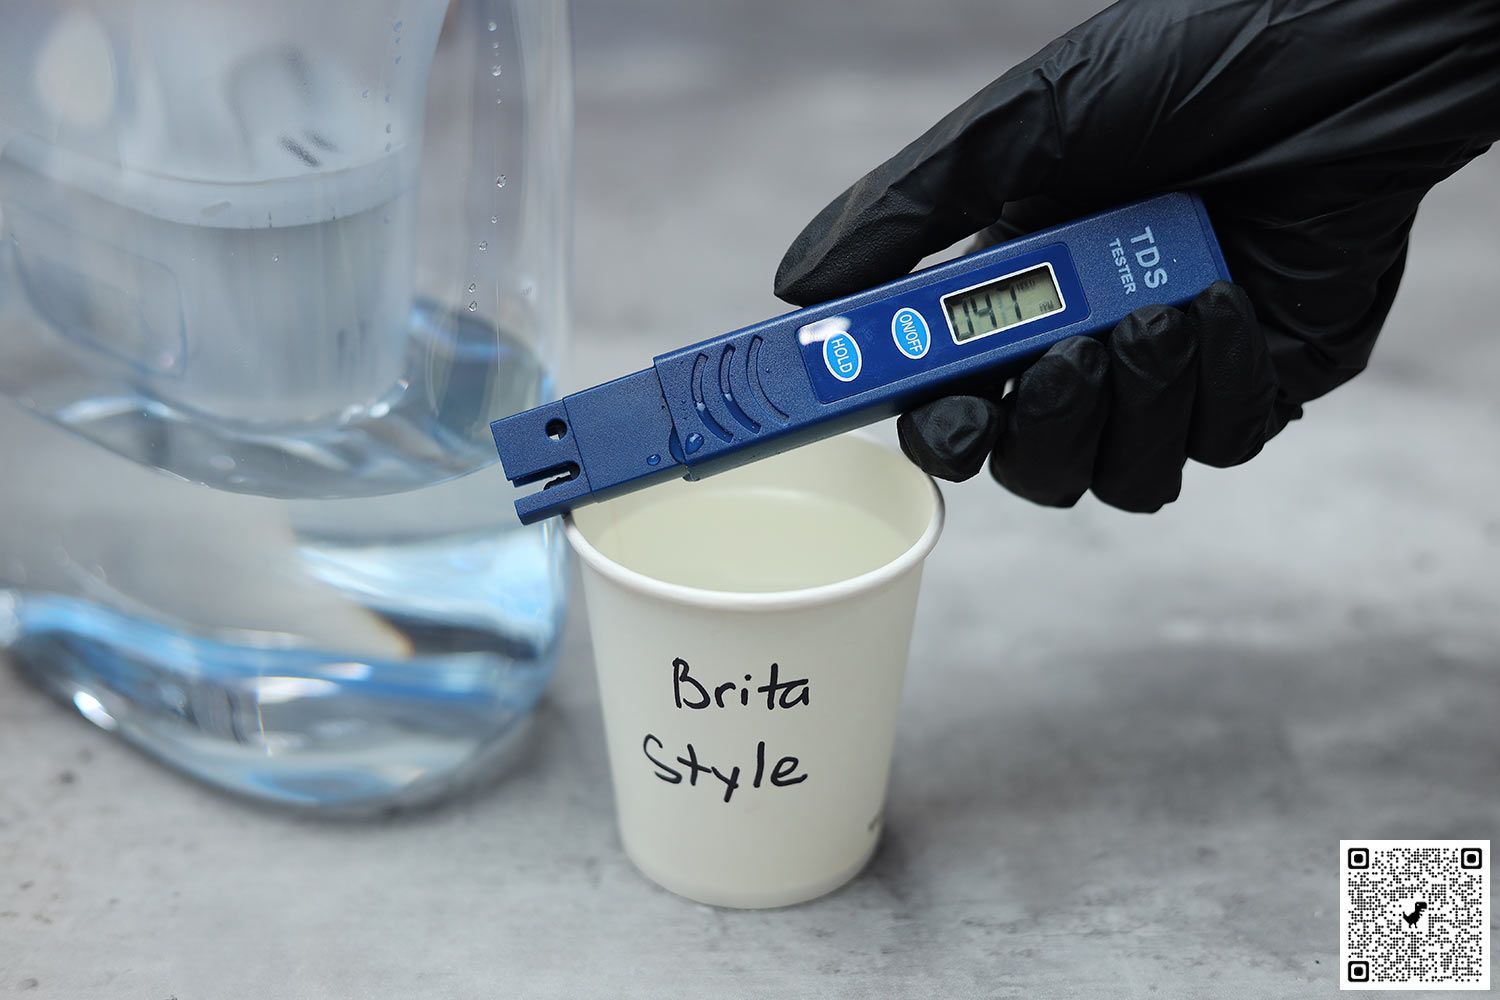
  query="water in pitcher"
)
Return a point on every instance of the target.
[
  {"x": 267, "y": 272},
  {"x": 346, "y": 649}
]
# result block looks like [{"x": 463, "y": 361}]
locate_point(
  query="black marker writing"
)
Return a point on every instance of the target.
[
  {"x": 663, "y": 771},
  {"x": 689, "y": 692},
  {"x": 691, "y": 762},
  {"x": 783, "y": 772},
  {"x": 692, "y": 693}
]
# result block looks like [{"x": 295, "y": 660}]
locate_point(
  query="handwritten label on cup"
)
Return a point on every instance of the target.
[{"x": 691, "y": 694}]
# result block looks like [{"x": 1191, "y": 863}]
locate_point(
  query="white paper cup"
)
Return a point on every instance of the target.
[{"x": 799, "y": 572}]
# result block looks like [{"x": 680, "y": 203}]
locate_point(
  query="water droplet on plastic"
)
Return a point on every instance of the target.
[
  {"x": 387, "y": 128},
  {"x": 693, "y": 443},
  {"x": 500, "y": 181},
  {"x": 365, "y": 93},
  {"x": 222, "y": 462},
  {"x": 396, "y": 26},
  {"x": 472, "y": 286},
  {"x": 398, "y": 60},
  {"x": 493, "y": 25},
  {"x": 387, "y": 147},
  {"x": 484, "y": 244},
  {"x": 495, "y": 70},
  {"x": 653, "y": 459},
  {"x": 499, "y": 101},
  {"x": 473, "y": 306},
  {"x": 275, "y": 257},
  {"x": 494, "y": 219}
]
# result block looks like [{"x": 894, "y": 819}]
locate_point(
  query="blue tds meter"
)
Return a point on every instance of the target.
[{"x": 819, "y": 371}]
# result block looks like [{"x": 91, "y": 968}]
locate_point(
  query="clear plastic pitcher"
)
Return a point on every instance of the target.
[{"x": 267, "y": 271}]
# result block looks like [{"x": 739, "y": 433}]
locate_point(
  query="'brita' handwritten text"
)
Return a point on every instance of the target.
[{"x": 690, "y": 693}]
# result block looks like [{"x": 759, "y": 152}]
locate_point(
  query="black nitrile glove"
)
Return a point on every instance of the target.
[{"x": 1311, "y": 128}]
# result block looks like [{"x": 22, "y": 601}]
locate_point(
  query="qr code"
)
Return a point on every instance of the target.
[{"x": 1414, "y": 914}]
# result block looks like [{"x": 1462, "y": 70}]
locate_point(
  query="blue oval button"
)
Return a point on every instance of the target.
[
  {"x": 911, "y": 334},
  {"x": 841, "y": 355}
]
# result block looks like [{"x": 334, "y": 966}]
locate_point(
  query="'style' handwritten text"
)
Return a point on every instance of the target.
[{"x": 690, "y": 693}]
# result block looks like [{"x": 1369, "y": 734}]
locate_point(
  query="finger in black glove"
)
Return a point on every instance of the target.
[{"x": 1119, "y": 417}]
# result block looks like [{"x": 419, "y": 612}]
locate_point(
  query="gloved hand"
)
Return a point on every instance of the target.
[{"x": 1311, "y": 129}]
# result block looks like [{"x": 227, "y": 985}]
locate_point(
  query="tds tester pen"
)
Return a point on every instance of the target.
[{"x": 823, "y": 370}]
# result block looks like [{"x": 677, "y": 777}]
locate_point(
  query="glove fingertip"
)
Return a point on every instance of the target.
[
  {"x": 950, "y": 438},
  {"x": 823, "y": 267},
  {"x": 1157, "y": 343},
  {"x": 866, "y": 235},
  {"x": 1234, "y": 412},
  {"x": 792, "y": 275},
  {"x": 1140, "y": 497},
  {"x": 1043, "y": 493}
]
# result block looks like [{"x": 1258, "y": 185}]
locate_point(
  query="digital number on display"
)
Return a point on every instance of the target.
[{"x": 1002, "y": 303}]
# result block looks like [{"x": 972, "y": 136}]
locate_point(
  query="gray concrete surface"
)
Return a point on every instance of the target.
[{"x": 1129, "y": 745}]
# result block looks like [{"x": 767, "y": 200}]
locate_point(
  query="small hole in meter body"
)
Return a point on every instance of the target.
[{"x": 557, "y": 429}]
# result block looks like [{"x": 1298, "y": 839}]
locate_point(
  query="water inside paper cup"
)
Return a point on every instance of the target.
[
  {"x": 749, "y": 539},
  {"x": 817, "y": 515}
]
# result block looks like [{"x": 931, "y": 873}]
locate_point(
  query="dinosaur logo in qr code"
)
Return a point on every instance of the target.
[{"x": 1414, "y": 914}]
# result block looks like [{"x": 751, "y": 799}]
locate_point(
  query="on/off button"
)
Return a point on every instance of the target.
[
  {"x": 909, "y": 331},
  {"x": 841, "y": 355}
]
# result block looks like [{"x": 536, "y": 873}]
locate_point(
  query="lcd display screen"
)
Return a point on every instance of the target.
[{"x": 1002, "y": 303}]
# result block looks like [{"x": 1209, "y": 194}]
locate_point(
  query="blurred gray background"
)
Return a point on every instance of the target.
[{"x": 1129, "y": 745}]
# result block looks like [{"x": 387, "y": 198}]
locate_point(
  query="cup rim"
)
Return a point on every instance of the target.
[{"x": 774, "y": 600}]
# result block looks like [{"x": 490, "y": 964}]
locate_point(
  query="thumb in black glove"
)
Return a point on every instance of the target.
[{"x": 1311, "y": 129}]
